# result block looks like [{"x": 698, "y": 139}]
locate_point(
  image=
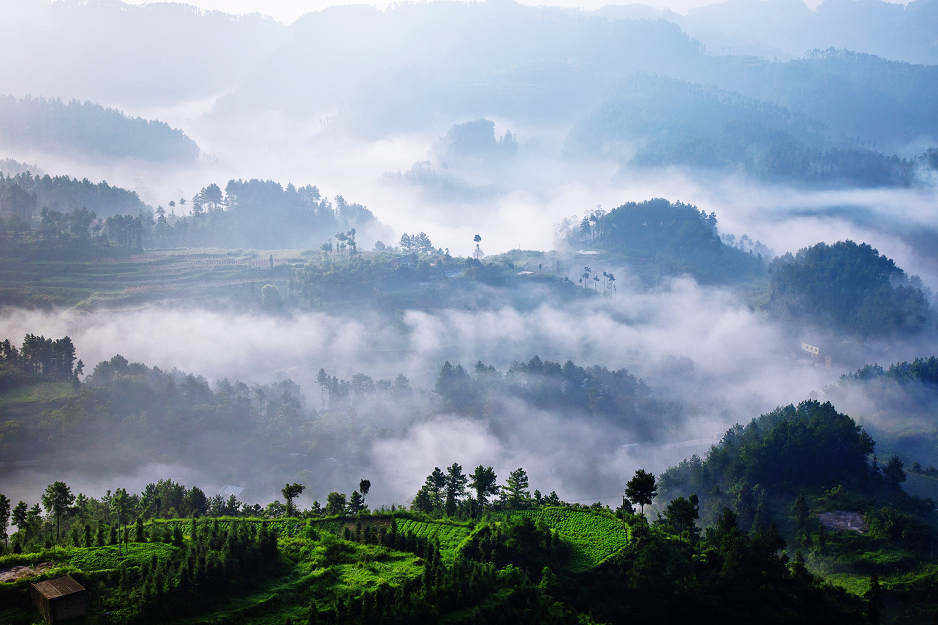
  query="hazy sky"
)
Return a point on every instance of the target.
[{"x": 288, "y": 10}]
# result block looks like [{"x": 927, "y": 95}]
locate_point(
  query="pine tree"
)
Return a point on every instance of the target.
[{"x": 515, "y": 492}]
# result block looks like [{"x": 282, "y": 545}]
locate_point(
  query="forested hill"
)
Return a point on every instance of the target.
[
  {"x": 795, "y": 447},
  {"x": 849, "y": 287},
  {"x": 89, "y": 129},
  {"x": 660, "y": 238},
  {"x": 803, "y": 470},
  {"x": 24, "y": 195}
]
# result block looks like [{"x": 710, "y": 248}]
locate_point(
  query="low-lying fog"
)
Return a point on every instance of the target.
[{"x": 702, "y": 346}]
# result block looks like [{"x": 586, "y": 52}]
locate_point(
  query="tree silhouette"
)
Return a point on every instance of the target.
[{"x": 641, "y": 489}]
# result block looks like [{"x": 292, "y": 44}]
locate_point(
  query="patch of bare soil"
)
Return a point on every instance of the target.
[
  {"x": 843, "y": 521},
  {"x": 17, "y": 572}
]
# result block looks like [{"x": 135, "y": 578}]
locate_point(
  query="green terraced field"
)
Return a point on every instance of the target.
[
  {"x": 450, "y": 535},
  {"x": 592, "y": 536}
]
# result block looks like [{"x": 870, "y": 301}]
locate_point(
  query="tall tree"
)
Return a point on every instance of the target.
[
  {"x": 356, "y": 503},
  {"x": 291, "y": 492},
  {"x": 641, "y": 489},
  {"x": 20, "y": 516},
  {"x": 56, "y": 500},
  {"x": 515, "y": 492},
  {"x": 483, "y": 483},
  {"x": 893, "y": 474},
  {"x": 121, "y": 501},
  {"x": 681, "y": 514},
  {"x": 364, "y": 486},
  {"x": 4, "y": 517},
  {"x": 322, "y": 379},
  {"x": 801, "y": 512},
  {"x": 434, "y": 484},
  {"x": 455, "y": 487},
  {"x": 335, "y": 503}
]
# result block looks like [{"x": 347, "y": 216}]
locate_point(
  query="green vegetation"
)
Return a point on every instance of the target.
[{"x": 41, "y": 392}]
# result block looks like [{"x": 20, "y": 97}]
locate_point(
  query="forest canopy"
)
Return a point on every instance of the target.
[
  {"x": 849, "y": 287},
  {"x": 667, "y": 238}
]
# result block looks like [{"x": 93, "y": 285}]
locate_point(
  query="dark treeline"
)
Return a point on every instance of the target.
[
  {"x": 99, "y": 423},
  {"x": 38, "y": 359},
  {"x": 91, "y": 129},
  {"x": 920, "y": 370},
  {"x": 881, "y": 394}
]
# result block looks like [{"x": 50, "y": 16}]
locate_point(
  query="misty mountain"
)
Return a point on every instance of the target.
[
  {"x": 835, "y": 116},
  {"x": 111, "y": 52},
  {"x": 660, "y": 122},
  {"x": 859, "y": 97},
  {"x": 89, "y": 130},
  {"x": 788, "y": 28},
  {"x": 450, "y": 59}
]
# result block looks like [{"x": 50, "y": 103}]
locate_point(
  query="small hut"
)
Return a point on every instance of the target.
[{"x": 60, "y": 598}]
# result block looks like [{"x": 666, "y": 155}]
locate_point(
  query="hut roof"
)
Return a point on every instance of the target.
[{"x": 58, "y": 587}]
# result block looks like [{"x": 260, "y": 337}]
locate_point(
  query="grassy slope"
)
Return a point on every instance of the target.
[{"x": 40, "y": 392}]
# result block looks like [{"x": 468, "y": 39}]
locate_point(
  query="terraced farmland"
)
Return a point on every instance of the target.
[
  {"x": 449, "y": 535},
  {"x": 592, "y": 536}
]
